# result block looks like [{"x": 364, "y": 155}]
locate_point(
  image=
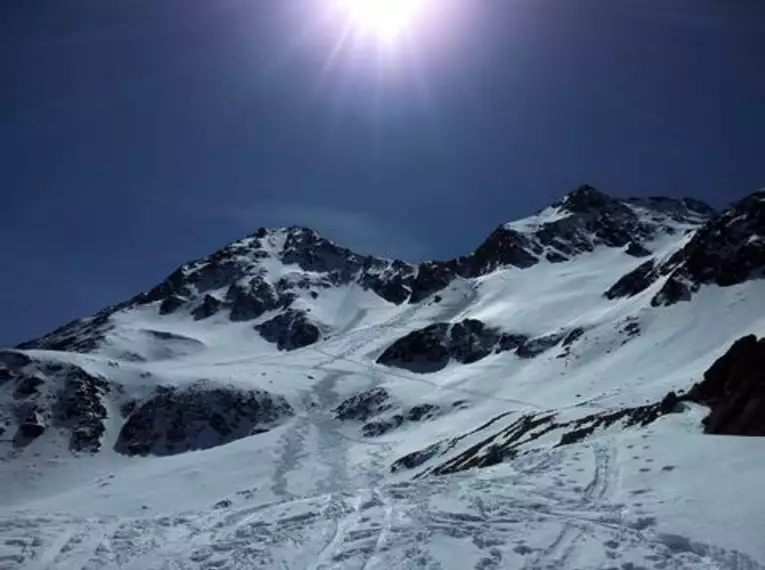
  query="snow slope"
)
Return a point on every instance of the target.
[{"x": 312, "y": 489}]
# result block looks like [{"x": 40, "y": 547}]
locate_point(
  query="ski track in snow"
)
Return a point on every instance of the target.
[{"x": 494, "y": 521}]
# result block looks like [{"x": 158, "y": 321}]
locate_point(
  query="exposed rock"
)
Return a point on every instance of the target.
[
  {"x": 170, "y": 304},
  {"x": 536, "y": 346},
  {"x": 587, "y": 199},
  {"x": 509, "y": 342},
  {"x": 680, "y": 210},
  {"x": 210, "y": 305},
  {"x": 507, "y": 443},
  {"x": 470, "y": 341},
  {"x": 11, "y": 360},
  {"x": 634, "y": 282},
  {"x": 27, "y": 386},
  {"x": 728, "y": 249},
  {"x": 499, "y": 447},
  {"x": 415, "y": 459},
  {"x": 734, "y": 389},
  {"x": 555, "y": 257},
  {"x": 431, "y": 349},
  {"x": 251, "y": 301},
  {"x": 432, "y": 277},
  {"x": 674, "y": 290},
  {"x": 31, "y": 426},
  {"x": 55, "y": 394},
  {"x": 394, "y": 291},
  {"x": 640, "y": 416},
  {"x": 573, "y": 336},
  {"x": 289, "y": 330},
  {"x": 637, "y": 250},
  {"x": 200, "y": 416},
  {"x": 502, "y": 248},
  {"x": 422, "y": 351},
  {"x": 422, "y": 412},
  {"x": 630, "y": 328},
  {"x": 382, "y": 426},
  {"x": 79, "y": 407},
  {"x": 365, "y": 405},
  {"x": 568, "y": 341}
]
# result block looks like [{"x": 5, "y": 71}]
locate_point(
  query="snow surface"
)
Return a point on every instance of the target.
[{"x": 314, "y": 493}]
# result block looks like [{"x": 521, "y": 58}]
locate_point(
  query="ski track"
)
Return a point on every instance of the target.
[
  {"x": 388, "y": 526},
  {"x": 354, "y": 520}
]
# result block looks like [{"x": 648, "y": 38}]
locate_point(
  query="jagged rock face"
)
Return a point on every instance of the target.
[
  {"x": 680, "y": 210},
  {"x": 249, "y": 301},
  {"x": 177, "y": 420},
  {"x": 729, "y": 249},
  {"x": 365, "y": 405},
  {"x": 51, "y": 394},
  {"x": 634, "y": 282},
  {"x": 289, "y": 330},
  {"x": 588, "y": 218},
  {"x": 734, "y": 389},
  {"x": 432, "y": 348},
  {"x": 503, "y": 247}
]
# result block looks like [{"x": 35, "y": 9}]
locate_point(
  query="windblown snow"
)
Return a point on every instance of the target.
[{"x": 194, "y": 440}]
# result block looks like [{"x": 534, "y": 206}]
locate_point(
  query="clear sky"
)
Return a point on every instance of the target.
[{"x": 138, "y": 134}]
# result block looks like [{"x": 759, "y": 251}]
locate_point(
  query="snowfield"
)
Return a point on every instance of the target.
[{"x": 316, "y": 489}]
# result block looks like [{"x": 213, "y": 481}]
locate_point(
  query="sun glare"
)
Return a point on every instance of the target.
[{"x": 385, "y": 19}]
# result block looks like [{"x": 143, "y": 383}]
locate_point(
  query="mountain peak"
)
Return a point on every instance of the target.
[{"x": 586, "y": 198}]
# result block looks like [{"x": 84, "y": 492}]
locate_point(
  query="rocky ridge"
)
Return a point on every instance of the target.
[
  {"x": 268, "y": 271},
  {"x": 727, "y": 250}
]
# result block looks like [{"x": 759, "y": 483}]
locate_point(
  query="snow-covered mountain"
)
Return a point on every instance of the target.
[{"x": 285, "y": 402}]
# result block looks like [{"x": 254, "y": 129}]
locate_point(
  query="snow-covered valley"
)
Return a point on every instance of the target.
[{"x": 286, "y": 403}]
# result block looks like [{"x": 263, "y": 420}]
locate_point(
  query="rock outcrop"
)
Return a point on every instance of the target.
[
  {"x": 364, "y": 405},
  {"x": 52, "y": 394},
  {"x": 289, "y": 330},
  {"x": 734, "y": 390},
  {"x": 727, "y": 250},
  {"x": 383, "y": 425},
  {"x": 430, "y": 349},
  {"x": 200, "y": 416},
  {"x": 506, "y": 443}
]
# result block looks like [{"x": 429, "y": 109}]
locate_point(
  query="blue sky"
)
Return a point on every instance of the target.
[{"x": 137, "y": 134}]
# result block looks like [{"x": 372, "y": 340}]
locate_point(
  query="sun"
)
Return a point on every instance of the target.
[{"x": 385, "y": 19}]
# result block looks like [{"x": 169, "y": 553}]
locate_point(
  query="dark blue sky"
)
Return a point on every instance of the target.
[{"x": 137, "y": 134}]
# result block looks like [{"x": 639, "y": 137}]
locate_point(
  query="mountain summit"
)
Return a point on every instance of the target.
[
  {"x": 540, "y": 402},
  {"x": 274, "y": 269}
]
